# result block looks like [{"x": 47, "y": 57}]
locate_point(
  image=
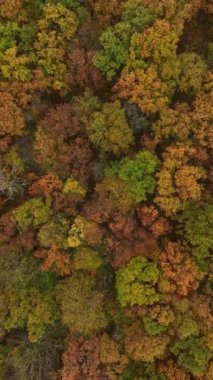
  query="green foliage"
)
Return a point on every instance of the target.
[
  {"x": 209, "y": 53},
  {"x": 28, "y": 297},
  {"x": 152, "y": 327},
  {"x": 115, "y": 42},
  {"x": 32, "y": 213},
  {"x": 109, "y": 130},
  {"x": 141, "y": 371},
  {"x": 131, "y": 179},
  {"x": 196, "y": 227},
  {"x": 192, "y": 354},
  {"x": 81, "y": 305},
  {"x": 137, "y": 16},
  {"x": 15, "y": 66},
  {"x": 85, "y": 255},
  {"x": 75, "y": 5},
  {"x": 188, "y": 326},
  {"x": 31, "y": 308},
  {"x": 8, "y": 35},
  {"x": 3, "y": 361},
  {"x": 136, "y": 282},
  {"x": 27, "y": 36},
  {"x": 193, "y": 72},
  {"x": 34, "y": 8}
]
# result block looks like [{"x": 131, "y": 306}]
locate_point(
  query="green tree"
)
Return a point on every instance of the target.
[
  {"x": 8, "y": 35},
  {"x": 196, "y": 225},
  {"x": 137, "y": 16},
  {"x": 115, "y": 42},
  {"x": 109, "y": 130},
  {"x": 192, "y": 354},
  {"x": 131, "y": 179},
  {"x": 81, "y": 305},
  {"x": 136, "y": 282},
  {"x": 32, "y": 213}
]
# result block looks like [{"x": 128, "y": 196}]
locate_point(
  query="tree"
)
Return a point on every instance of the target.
[
  {"x": 8, "y": 32},
  {"x": 36, "y": 360},
  {"x": 55, "y": 261},
  {"x": 179, "y": 269},
  {"x": 178, "y": 179},
  {"x": 109, "y": 131},
  {"x": 105, "y": 13},
  {"x": 54, "y": 233},
  {"x": 50, "y": 43},
  {"x": 140, "y": 347},
  {"x": 193, "y": 72},
  {"x": 12, "y": 119},
  {"x": 31, "y": 213},
  {"x": 7, "y": 228},
  {"x": 149, "y": 217},
  {"x": 138, "y": 16},
  {"x": 45, "y": 185},
  {"x": 10, "y": 8},
  {"x": 16, "y": 67},
  {"x": 28, "y": 300},
  {"x": 87, "y": 259},
  {"x": 11, "y": 182},
  {"x": 192, "y": 354},
  {"x": 72, "y": 186},
  {"x": 115, "y": 43},
  {"x": 143, "y": 88},
  {"x": 201, "y": 117},
  {"x": 111, "y": 357},
  {"x": 84, "y": 231},
  {"x": 58, "y": 133},
  {"x": 115, "y": 40},
  {"x": 136, "y": 282},
  {"x": 196, "y": 226},
  {"x": 174, "y": 123},
  {"x": 81, "y": 306},
  {"x": 172, "y": 371},
  {"x": 156, "y": 44},
  {"x": 81, "y": 359},
  {"x": 82, "y": 71},
  {"x": 130, "y": 180}
]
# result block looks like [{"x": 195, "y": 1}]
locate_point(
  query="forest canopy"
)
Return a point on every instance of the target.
[{"x": 106, "y": 212}]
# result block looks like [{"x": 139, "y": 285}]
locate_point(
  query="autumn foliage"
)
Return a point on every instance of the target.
[{"x": 106, "y": 212}]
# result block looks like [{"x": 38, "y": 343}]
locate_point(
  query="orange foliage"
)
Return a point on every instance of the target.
[
  {"x": 7, "y": 228},
  {"x": 142, "y": 347},
  {"x": 55, "y": 261},
  {"x": 202, "y": 114},
  {"x": 57, "y": 134},
  {"x": 179, "y": 269},
  {"x": 105, "y": 11},
  {"x": 149, "y": 217},
  {"x": 10, "y": 8},
  {"x": 143, "y": 88},
  {"x": 81, "y": 360},
  {"x": 178, "y": 179},
  {"x": 172, "y": 371},
  {"x": 12, "y": 120},
  {"x": 82, "y": 71},
  {"x": 45, "y": 185}
]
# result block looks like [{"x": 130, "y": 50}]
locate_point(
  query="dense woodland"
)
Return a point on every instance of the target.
[{"x": 105, "y": 189}]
